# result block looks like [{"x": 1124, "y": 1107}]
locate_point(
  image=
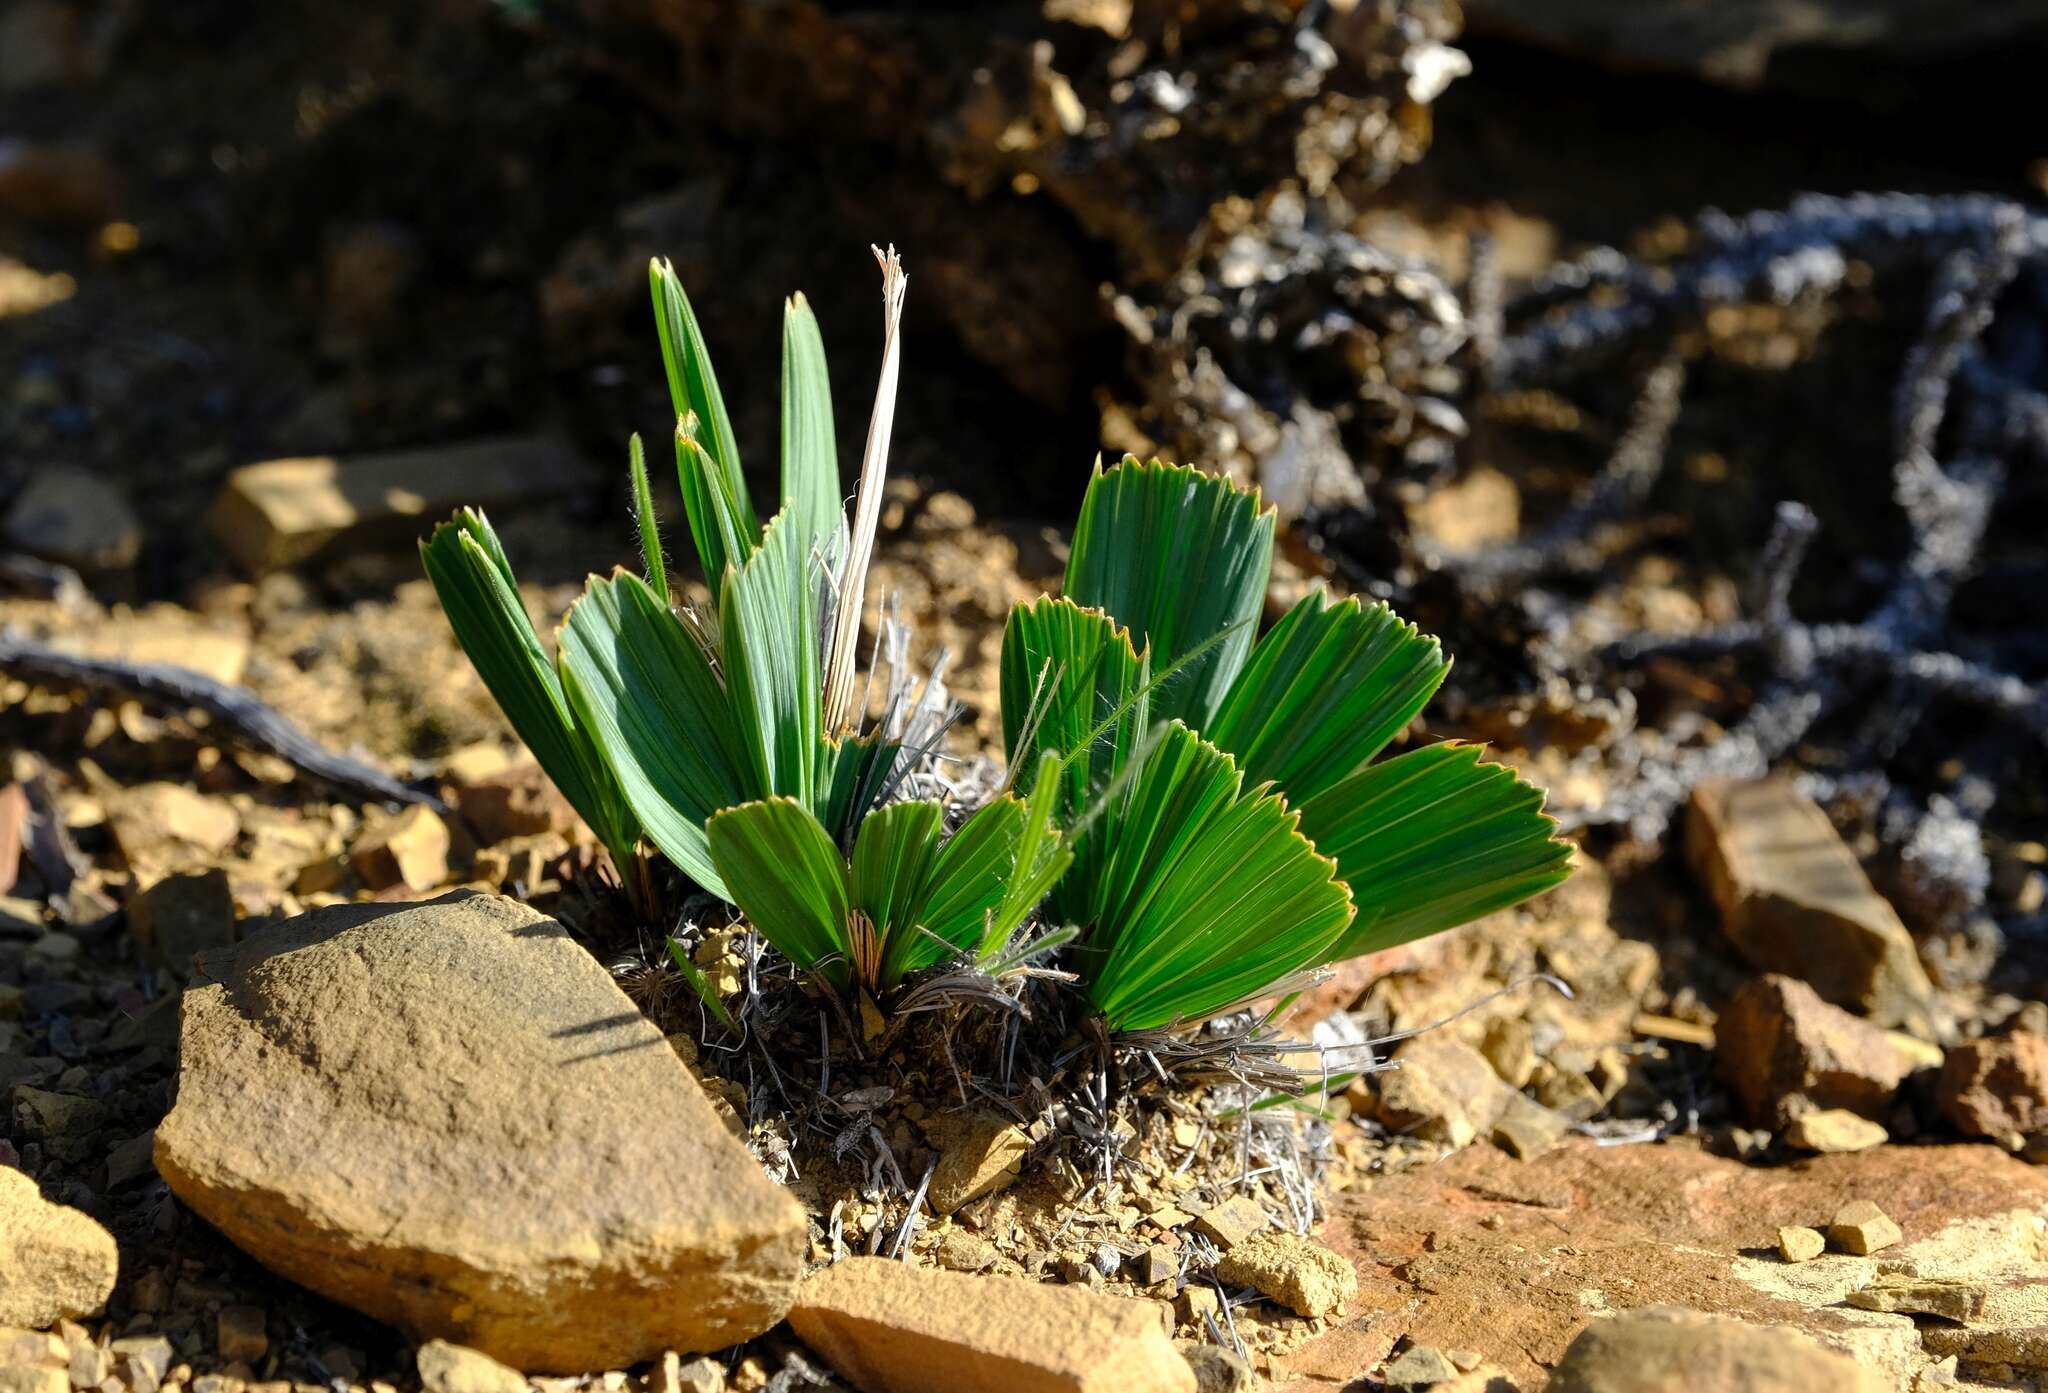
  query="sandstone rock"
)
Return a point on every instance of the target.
[
  {"x": 168, "y": 635},
  {"x": 960, "y": 1251},
  {"x": 181, "y": 915},
  {"x": 1219, "y": 1370},
  {"x": 701, "y": 1376},
  {"x": 1444, "y": 1091},
  {"x": 2022, "y": 1348},
  {"x": 142, "y": 1360},
  {"x": 1526, "y": 1130},
  {"x": 1482, "y": 509},
  {"x": 37, "y": 1348},
  {"x": 1996, "y": 1087},
  {"x": 1418, "y": 1367},
  {"x": 1833, "y": 1129},
  {"x": 1296, "y": 1271},
  {"x": 66, "y": 515},
  {"x": 517, "y": 802},
  {"x": 59, "y": 1263},
  {"x": 409, "y": 848},
  {"x": 1860, "y": 1227},
  {"x": 1785, "y": 1051},
  {"x": 283, "y": 512},
  {"x": 1156, "y": 1263},
  {"x": 1667, "y": 1349},
  {"x": 1794, "y": 899},
  {"x": 168, "y": 827},
  {"x": 890, "y": 1328},
  {"x": 1917, "y": 1296},
  {"x": 446, "y": 1368},
  {"x": 978, "y": 1155},
  {"x": 1232, "y": 1222},
  {"x": 1510, "y": 1049},
  {"x": 1512, "y": 1258},
  {"x": 348, "y": 1077},
  {"x": 1797, "y": 1243},
  {"x": 28, "y": 1378}
]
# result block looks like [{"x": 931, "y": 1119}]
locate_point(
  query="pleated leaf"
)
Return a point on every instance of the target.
[
  {"x": 1324, "y": 692},
  {"x": 892, "y": 861},
  {"x": 648, "y": 693},
  {"x": 851, "y": 774},
  {"x": 768, "y": 643},
  {"x": 1177, "y": 556},
  {"x": 1211, "y": 893},
  {"x": 722, "y": 521},
  {"x": 467, "y": 565},
  {"x": 789, "y": 880},
  {"x": 1432, "y": 839},
  {"x": 1064, "y": 671},
  {"x": 810, "y": 448},
  {"x": 992, "y": 873}
]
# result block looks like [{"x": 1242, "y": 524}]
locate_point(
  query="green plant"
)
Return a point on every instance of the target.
[
  {"x": 1206, "y": 810},
  {"x": 1195, "y": 892}
]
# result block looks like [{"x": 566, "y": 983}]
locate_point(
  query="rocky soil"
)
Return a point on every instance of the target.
[{"x": 316, "y": 1085}]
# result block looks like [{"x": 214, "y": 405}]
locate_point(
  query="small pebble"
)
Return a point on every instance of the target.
[
  {"x": 1796, "y": 1243},
  {"x": 1860, "y": 1227}
]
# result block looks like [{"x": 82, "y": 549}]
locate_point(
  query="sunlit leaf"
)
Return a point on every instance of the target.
[
  {"x": 768, "y": 643},
  {"x": 892, "y": 860},
  {"x": 721, "y": 515},
  {"x": 810, "y": 449},
  {"x": 1177, "y": 556},
  {"x": 644, "y": 686},
  {"x": 1324, "y": 692},
  {"x": 1432, "y": 839},
  {"x": 1211, "y": 894},
  {"x": 788, "y": 879},
  {"x": 650, "y": 525},
  {"x": 467, "y": 565}
]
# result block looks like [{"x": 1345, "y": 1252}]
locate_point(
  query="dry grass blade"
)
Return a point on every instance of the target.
[{"x": 860, "y": 549}]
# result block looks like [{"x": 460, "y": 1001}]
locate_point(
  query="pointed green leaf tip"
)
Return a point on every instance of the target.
[
  {"x": 721, "y": 516},
  {"x": 650, "y": 524},
  {"x": 1176, "y": 556},
  {"x": 810, "y": 448}
]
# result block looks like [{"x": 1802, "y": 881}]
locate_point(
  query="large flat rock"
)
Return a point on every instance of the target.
[
  {"x": 447, "y": 1116},
  {"x": 1514, "y": 1259},
  {"x": 891, "y": 1328}
]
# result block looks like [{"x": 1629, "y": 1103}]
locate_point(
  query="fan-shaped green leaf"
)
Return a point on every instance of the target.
[
  {"x": 467, "y": 566},
  {"x": 1211, "y": 893},
  {"x": 892, "y": 860},
  {"x": 1432, "y": 839},
  {"x": 788, "y": 879},
  {"x": 1324, "y": 692},
  {"x": 645, "y": 689},
  {"x": 1177, "y": 556},
  {"x": 1064, "y": 671}
]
